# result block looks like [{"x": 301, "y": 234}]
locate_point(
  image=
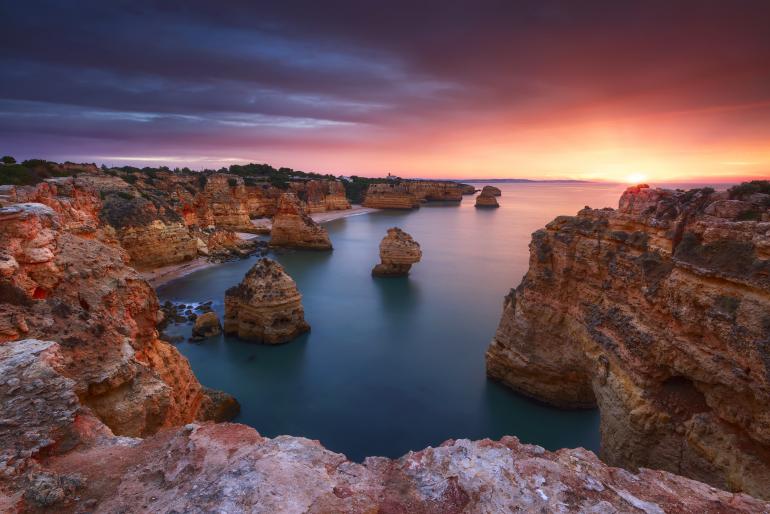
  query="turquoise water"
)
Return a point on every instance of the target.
[{"x": 396, "y": 364}]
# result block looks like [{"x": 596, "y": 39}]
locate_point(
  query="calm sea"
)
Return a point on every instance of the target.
[{"x": 396, "y": 364}]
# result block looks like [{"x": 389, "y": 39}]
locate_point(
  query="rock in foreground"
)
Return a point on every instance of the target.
[
  {"x": 59, "y": 458},
  {"x": 659, "y": 313},
  {"x": 293, "y": 228},
  {"x": 266, "y": 306},
  {"x": 206, "y": 325},
  {"x": 398, "y": 251}
]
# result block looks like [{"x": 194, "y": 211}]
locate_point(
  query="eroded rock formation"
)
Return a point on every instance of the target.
[
  {"x": 491, "y": 190},
  {"x": 293, "y": 228},
  {"x": 266, "y": 306},
  {"x": 659, "y": 313},
  {"x": 398, "y": 251},
  {"x": 72, "y": 288},
  {"x": 321, "y": 195},
  {"x": 435, "y": 190},
  {"x": 206, "y": 325},
  {"x": 61, "y": 458},
  {"x": 390, "y": 196},
  {"x": 487, "y": 198}
]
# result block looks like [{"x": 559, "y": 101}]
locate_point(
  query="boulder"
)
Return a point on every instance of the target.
[{"x": 206, "y": 325}]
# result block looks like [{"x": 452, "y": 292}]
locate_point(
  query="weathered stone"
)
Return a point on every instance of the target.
[
  {"x": 487, "y": 197},
  {"x": 658, "y": 313},
  {"x": 266, "y": 306},
  {"x": 293, "y": 228},
  {"x": 206, "y": 325},
  {"x": 398, "y": 251}
]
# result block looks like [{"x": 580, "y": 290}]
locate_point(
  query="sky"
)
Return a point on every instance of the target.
[{"x": 607, "y": 90}]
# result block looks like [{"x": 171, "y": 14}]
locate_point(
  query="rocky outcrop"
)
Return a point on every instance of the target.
[
  {"x": 398, "y": 251},
  {"x": 487, "y": 198},
  {"x": 60, "y": 458},
  {"x": 468, "y": 189},
  {"x": 321, "y": 195},
  {"x": 390, "y": 196},
  {"x": 435, "y": 190},
  {"x": 491, "y": 190},
  {"x": 78, "y": 291},
  {"x": 266, "y": 306},
  {"x": 206, "y": 325},
  {"x": 293, "y": 228},
  {"x": 659, "y": 313}
]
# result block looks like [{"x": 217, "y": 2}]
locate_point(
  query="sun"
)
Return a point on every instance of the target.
[{"x": 636, "y": 178}]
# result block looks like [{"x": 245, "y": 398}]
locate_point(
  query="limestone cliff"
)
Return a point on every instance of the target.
[
  {"x": 59, "y": 458},
  {"x": 398, "y": 251},
  {"x": 266, "y": 306},
  {"x": 321, "y": 195},
  {"x": 659, "y": 313},
  {"x": 487, "y": 198},
  {"x": 435, "y": 190},
  {"x": 293, "y": 228},
  {"x": 390, "y": 196},
  {"x": 70, "y": 287}
]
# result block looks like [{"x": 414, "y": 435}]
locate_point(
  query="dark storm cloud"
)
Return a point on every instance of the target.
[{"x": 167, "y": 75}]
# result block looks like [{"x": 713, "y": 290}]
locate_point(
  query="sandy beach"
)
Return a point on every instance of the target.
[{"x": 160, "y": 276}]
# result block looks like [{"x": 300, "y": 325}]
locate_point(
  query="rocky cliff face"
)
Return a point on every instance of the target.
[
  {"x": 398, "y": 251},
  {"x": 659, "y": 313},
  {"x": 72, "y": 288},
  {"x": 266, "y": 306},
  {"x": 321, "y": 195},
  {"x": 390, "y": 196},
  {"x": 487, "y": 198},
  {"x": 293, "y": 228},
  {"x": 435, "y": 190},
  {"x": 61, "y": 458}
]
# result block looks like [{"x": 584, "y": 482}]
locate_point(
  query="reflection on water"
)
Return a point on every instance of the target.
[{"x": 396, "y": 364}]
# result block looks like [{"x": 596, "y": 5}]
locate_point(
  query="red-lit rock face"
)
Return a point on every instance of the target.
[
  {"x": 659, "y": 312},
  {"x": 78, "y": 291}
]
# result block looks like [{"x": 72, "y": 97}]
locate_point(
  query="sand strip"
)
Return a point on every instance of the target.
[{"x": 160, "y": 276}]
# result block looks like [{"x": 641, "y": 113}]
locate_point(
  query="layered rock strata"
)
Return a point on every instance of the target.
[
  {"x": 266, "y": 306},
  {"x": 398, "y": 251},
  {"x": 61, "y": 458},
  {"x": 293, "y": 228},
  {"x": 390, "y": 196},
  {"x": 486, "y": 198},
  {"x": 659, "y": 313},
  {"x": 76, "y": 290},
  {"x": 491, "y": 190},
  {"x": 321, "y": 195},
  {"x": 468, "y": 189},
  {"x": 435, "y": 190}
]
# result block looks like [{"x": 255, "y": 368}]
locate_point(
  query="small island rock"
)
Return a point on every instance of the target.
[
  {"x": 487, "y": 198},
  {"x": 398, "y": 251},
  {"x": 492, "y": 190},
  {"x": 206, "y": 325},
  {"x": 266, "y": 306}
]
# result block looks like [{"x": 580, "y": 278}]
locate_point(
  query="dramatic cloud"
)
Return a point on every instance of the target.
[{"x": 579, "y": 89}]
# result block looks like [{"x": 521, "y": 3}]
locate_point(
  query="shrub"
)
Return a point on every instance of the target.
[
  {"x": 7, "y": 159},
  {"x": 232, "y": 182}
]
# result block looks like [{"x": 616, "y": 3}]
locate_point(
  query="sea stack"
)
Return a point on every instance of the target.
[
  {"x": 398, "y": 251},
  {"x": 266, "y": 306},
  {"x": 487, "y": 197},
  {"x": 293, "y": 228}
]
